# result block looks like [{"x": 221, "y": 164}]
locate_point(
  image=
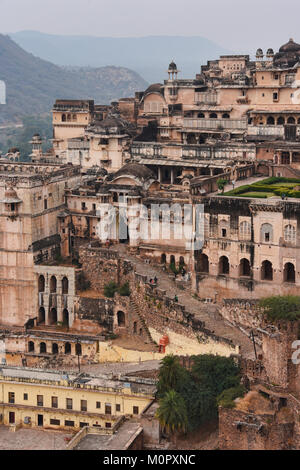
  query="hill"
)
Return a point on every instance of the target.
[
  {"x": 149, "y": 56},
  {"x": 33, "y": 84}
]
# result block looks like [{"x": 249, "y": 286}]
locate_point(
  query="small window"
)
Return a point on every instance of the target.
[
  {"x": 69, "y": 423},
  {"x": 108, "y": 425},
  {"x": 55, "y": 422},
  {"x": 40, "y": 400},
  {"x": 224, "y": 232},
  {"x": 69, "y": 403},
  {"x": 11, "y": 397},
  {"x": 83, "y": 405},
  {"x": 82, "y": 425},
  {"x": 98, "y": 404},
  {"x": 275, "y": 96},
  {"x": 54, "y": 402},
  {"x": 45, "y": 204},
  {"x": 135, "y": 410},
  {"x": 118, "y": 407},
  {"x": 107, "y": 408},
  {"x": 25, "y": 396}
]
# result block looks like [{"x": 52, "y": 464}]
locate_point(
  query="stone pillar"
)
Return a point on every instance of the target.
[
  {"x": 159, "y": 174},
  {"x": 172, "y": 175}
]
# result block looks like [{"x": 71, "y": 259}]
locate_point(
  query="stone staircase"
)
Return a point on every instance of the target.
[{"x": 135, "y": 308}]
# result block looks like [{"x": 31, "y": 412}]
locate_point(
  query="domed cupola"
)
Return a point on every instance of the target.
[
  {"x": 259, "y": 54},
  {"x": 172, "y": 71}
]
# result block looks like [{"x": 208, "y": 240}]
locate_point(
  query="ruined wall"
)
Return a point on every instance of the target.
[
  {"x": 246, "y": 431},
  {"x": 242, "y": 312}
]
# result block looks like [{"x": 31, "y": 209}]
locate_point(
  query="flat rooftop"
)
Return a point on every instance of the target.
[
  {"x": 116, "y": 441},
  {"x": 33, "y": 439}
]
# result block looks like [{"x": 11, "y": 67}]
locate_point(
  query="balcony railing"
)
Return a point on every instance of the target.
[{"x": 214, "y": 124}]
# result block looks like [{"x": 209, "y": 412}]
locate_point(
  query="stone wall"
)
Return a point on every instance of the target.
[{"x": 242, "y": 312}]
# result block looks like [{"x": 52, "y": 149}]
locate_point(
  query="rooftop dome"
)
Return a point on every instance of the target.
[
  {"x": 10, "y": 196},
  {"x": 259, "y": 53},
  {"x": 172, "y": 66},
  {"x": 137, "y": 170},
  {"x": 154, "y": 88},
  {"x": 270, "y": 52},
  {"x": 290, "y": 46}
]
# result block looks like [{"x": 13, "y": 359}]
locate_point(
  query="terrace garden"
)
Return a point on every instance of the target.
[{"x": 269, "y": 187}]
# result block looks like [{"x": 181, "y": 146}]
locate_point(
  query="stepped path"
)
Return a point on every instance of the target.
[{"x": 209, "y": 313}]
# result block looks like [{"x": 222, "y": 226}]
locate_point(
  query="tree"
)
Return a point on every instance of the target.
[
  {"x": 221, "y": 183},
  {"x": 110, "y": 289},
  {"x": 170, "y": 374},
  {"x": 215, "y": 372},
  {"x": 172, "y": 413}
]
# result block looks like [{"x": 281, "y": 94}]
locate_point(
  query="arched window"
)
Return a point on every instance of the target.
[
  {"x": 69, "y": 117},
  {"x": 135, "y": 327},
  {"x": 31, "y": 346},
  {"x": 213, "y": 116},
  {"x": 53, "y": 284},
  {"x": 244, "y": 267},
  {"x": 172, "y": 259},
  {"x": 53, "y": 316},
  {"x": 267, "y": 271},
  {"x": 289, "y": 233},
  {"x": 67, "y": 348},
  {"x": 54, "y": 348},
  {"x": 289, "y": 273},
  {"x": 43, "y": 348},
  {"x": 41, "y": 283},
  {"x": 163, "y": 259},
  {"x": 201, "y": 116},
  {"x": 181, "y": 261},
  {"x": 202, "y": 263},
  {"x": 266, "y": 233},
  {"x": 291, "y": 120},
  {"x": 270, "y": 121},
  {"x": 245, "y": 230},
  {"x": 223, "y": 265},
  {"x": 63, "y": 118},
  {"x": 41, "y": 318},
  {"x": 280, "y": 121},
  {"x": 65, "y": 317},
  {"x": 65, "y": 285},
  {"x": 121, "y": 318},
  {"x": 225, "y": 116}
]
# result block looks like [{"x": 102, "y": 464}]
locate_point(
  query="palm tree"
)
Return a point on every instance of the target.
[
  {"x": 172, "y": 413},
  {"x": 169, "y": 374}
]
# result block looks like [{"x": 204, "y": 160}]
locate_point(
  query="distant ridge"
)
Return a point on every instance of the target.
[
  {"x": 149, "y": 56},
  {"x": 33, "y": 84}
]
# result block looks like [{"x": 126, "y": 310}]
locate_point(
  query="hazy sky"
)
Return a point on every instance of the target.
[{"x": 236, "y": 24}]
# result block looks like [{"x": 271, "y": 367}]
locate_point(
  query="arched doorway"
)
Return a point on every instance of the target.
[
  {"x": 163, "y": 258},
  {"x": 223, "y": 265},
  {"x": 244, "y": 267},
  {"x": 202, "y": 263},
  {"x": 65, "y": 317},
  {"x": 31, "y": 346},
  {"x": 53, "y": 284},
  {"x": 121, "y": 318},
  {"x": 53, "y": 316},
  {"x": 43, "y": 348},
  {"x": 78, "y": 349},
  {"x": 41, "y": 318},
  {"x": 65, "y": 285},
  {"x": 67, "y": 348},
  {"x": 266, "y": 271},
  {"x": 41, "y": 283},
  {"x": 289, "y": 273},
  {"x": 54, "y": 348}
]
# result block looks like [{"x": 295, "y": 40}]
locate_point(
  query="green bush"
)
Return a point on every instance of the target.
[
  {"x": 110, "y": 289},
  {"x": 286, "y": 307},
  {"x": 124, "y": 290},
  {"x": 227, "y": 397}
]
